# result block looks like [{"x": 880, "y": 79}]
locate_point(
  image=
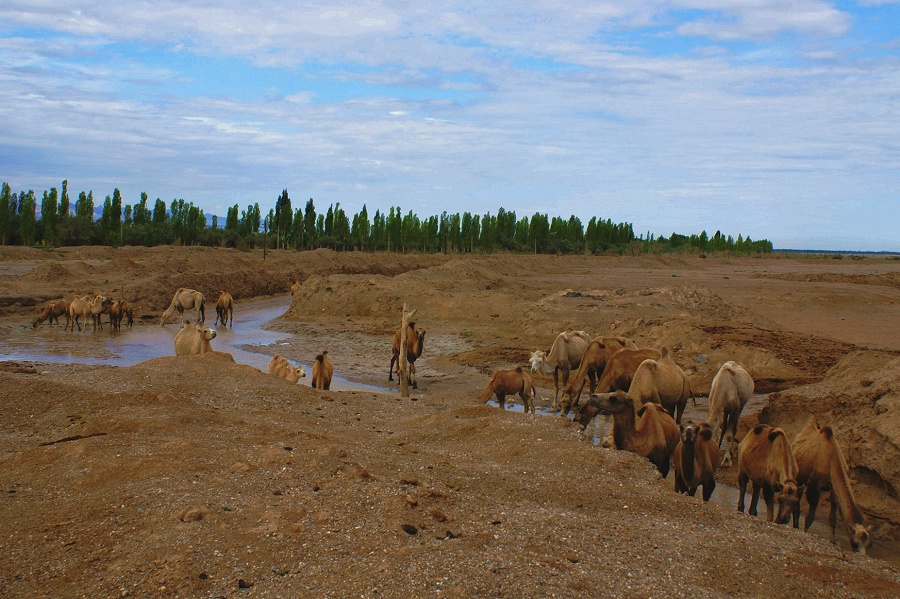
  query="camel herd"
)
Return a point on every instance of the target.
[
  {"x": 646, "y": 392},
  {"x": 90, "y": 308}
]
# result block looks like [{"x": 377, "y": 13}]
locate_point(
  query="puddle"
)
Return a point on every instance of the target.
[{"x": 249, "y": 342}]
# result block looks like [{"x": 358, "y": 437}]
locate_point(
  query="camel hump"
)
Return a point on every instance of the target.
[
  {"x": 411, "y": 325},
  {"x": 775, "y": 434},
  {"x": 827, "y": 432},
  {"x": 321, "y": 357},
  {"x": 706, "y": 432},
  {"x": 758, "y": 429},
  {"x": 519, "y": 369}
]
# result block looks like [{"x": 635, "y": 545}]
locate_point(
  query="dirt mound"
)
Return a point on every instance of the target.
[
  {"x": 860, "y": 398},
  {"x": 49, "y": 271}
]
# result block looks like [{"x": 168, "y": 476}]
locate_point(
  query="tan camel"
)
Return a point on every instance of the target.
[
  {"x": 696, "y": 460},
  {"x": 730, "y": 391},
  {"x": 662, "y": 382},
  {"x": 280, "y": 367},
  {"x": 564, "y": 356},
  {"x": 183, "y": 300},
  {"x": 510, "y": 382},
  {"x": 822, "y": 467},
  {"x": 89, "y": 306},
  {"x": 765, "y": 458},
  {"x": 322, "y": 371},
  {"x": 593, "y": 361},
  {"x": 294, "y": 286},
  {"x": 120, "y": 310},
  {"x": 415, "y": 343},
  {"x": 617, "y": 376},
  {"x": 650, "y": 432},
  {"x": 225, "y": 309},
  {"x": 195, "y": 339},
  {"x": 52, "y": 311}
]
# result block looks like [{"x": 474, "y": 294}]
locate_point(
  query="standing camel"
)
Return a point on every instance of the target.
[
  {"x": 415, "y": 343},
  {"x": 185, "y": 299}
]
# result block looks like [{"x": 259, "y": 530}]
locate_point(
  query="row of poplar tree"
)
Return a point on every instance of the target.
[{"x": 58, "y": 223}]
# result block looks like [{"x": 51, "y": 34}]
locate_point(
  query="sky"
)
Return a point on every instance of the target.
[{"x": 773, "y": 119}]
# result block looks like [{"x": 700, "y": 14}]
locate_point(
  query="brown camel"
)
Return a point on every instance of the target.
[
  {"x": 696, "y": 460},
  {"x": 415, "y": 343},
  {"x": 596, "y": 355},
  {"x": 822, "y": 467},
  {"x": 617, "y": 376},
  {"x": 650, "y": 432},
  {"x": 52, "y": 311},
  {"x": 765, "y": 458},
  {"x": 662, "y": 382},
  {"x": 510, "y": 382},
  {"x": 322, "y": 371},
  {"x": 225, "y": 309}
]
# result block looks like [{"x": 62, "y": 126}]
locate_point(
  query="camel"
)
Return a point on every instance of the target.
[
  {"x": 564, "y": 356},
  {"x": 294, "y": 286},
  {"x": 510, "y": 382},
  {"x": 120, "y": 310},
  {"x": 322, "y": 371},
  {"x": 415, "y": 343},
  {"x": 765, "y": 458},
  {"x": 225, "y": 309},
  {"x": 617, "y": 376},
  {"x": 52, "y": 311},
  {"x": 650, "y": 432},
  {"x": 280, "y": 367},
  {"x": 821, "y": 468},
  {"x": 729, "y": 393},
  {"x": 696, "y": 459},
  {"x": 662, "y": 382},
  {"x": 192, "y": 340},
  {"x": 185, "y": 299},
  {"x": 88, "y": 306},
  {"x": 593, "y": 361}
]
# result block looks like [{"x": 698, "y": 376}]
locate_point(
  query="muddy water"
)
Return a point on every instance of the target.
[{"x": 248, "y": 342}]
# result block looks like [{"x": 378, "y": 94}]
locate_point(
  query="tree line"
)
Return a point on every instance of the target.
[{"x": 59, "y": 223}]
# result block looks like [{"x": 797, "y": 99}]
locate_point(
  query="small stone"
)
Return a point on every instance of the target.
[{"x": 409, "y": 529}]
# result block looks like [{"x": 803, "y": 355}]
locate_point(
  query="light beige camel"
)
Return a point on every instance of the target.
[
  {"x": 650, "y": 432},
  {"x": 593, "y": 361},
  {"x": 225, "y": 309},
  {"x": 184, "y": 300},
  {"x": 280, "y": 367},
  {"x": 415, "y": 344},
  {"x": 617, "y": 376},
  {"x": 194, "y": 339},
  {"x": 564, "y": 356},
  {"x": 510, "y": 382},
  {"x": 52, "y": 311},
  {"x": 730, "y": 391},
  {"x": 696, "y": 460},
  {"x": 88, "y": 306},
  {"x": 294, "y": 286},
  {"x": 765, "y": 458},
  {"x": 821, "y": 467},
  {"x": 322, "y": 371}
]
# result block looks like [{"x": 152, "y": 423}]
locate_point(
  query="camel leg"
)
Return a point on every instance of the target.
[
  {"x": 412, "y": 375},
  {"x": 754, "y": 500},
  {"x": 769, "y": 496},
  {"x": 679, "y": 410},
  {"x": 708, "y": 487},
  {"x": 501, "y": 399},
  {"x": 593, "y": 378},
  {"x": 812, "y": 498},
  {"x": 742, "y": 488},
  {"x": 795, "y": 513},
  {"x": 833, "y": 519},
  {"x": 391, "y": 368}
]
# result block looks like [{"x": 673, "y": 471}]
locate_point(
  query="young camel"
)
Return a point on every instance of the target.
[
  {"x": 822, "y": 467},
  {"x": 650, "y": 432},
  {"x": 322, "y": 371},
  {"x": 510, "y": 382},
  {"x": 765, "y": 458},
  {"x": 593, "y": 362},
  {"x": 696, "y": 460}
]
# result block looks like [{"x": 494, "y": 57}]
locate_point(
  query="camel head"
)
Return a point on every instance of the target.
[
  {"x": 860, "y": 540},
  {"x": 612, "y": 403},
  {"x": 565, "y": 404},
  {"x": 206, "y": 333},
  {"x": 299, "y": 372},
  {"x": 585, "y": 413},
  {"x": 537, "y": 361},
  {"x": 787, "y": 496}
]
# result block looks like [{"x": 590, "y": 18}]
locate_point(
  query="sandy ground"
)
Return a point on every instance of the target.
[{"x": 204, "y": 477}]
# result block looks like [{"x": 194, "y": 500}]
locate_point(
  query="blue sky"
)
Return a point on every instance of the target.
[{"x": 776, "y": 119}]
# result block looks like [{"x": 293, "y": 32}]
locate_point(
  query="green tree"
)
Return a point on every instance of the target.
[
  {"x": 311, "y": 233},
  {"x": 49, "y": 216},
  {"x": 282, "y": 219},
  {"x": 27, "y": 217},
  {"x": 5, "y": 214}
]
